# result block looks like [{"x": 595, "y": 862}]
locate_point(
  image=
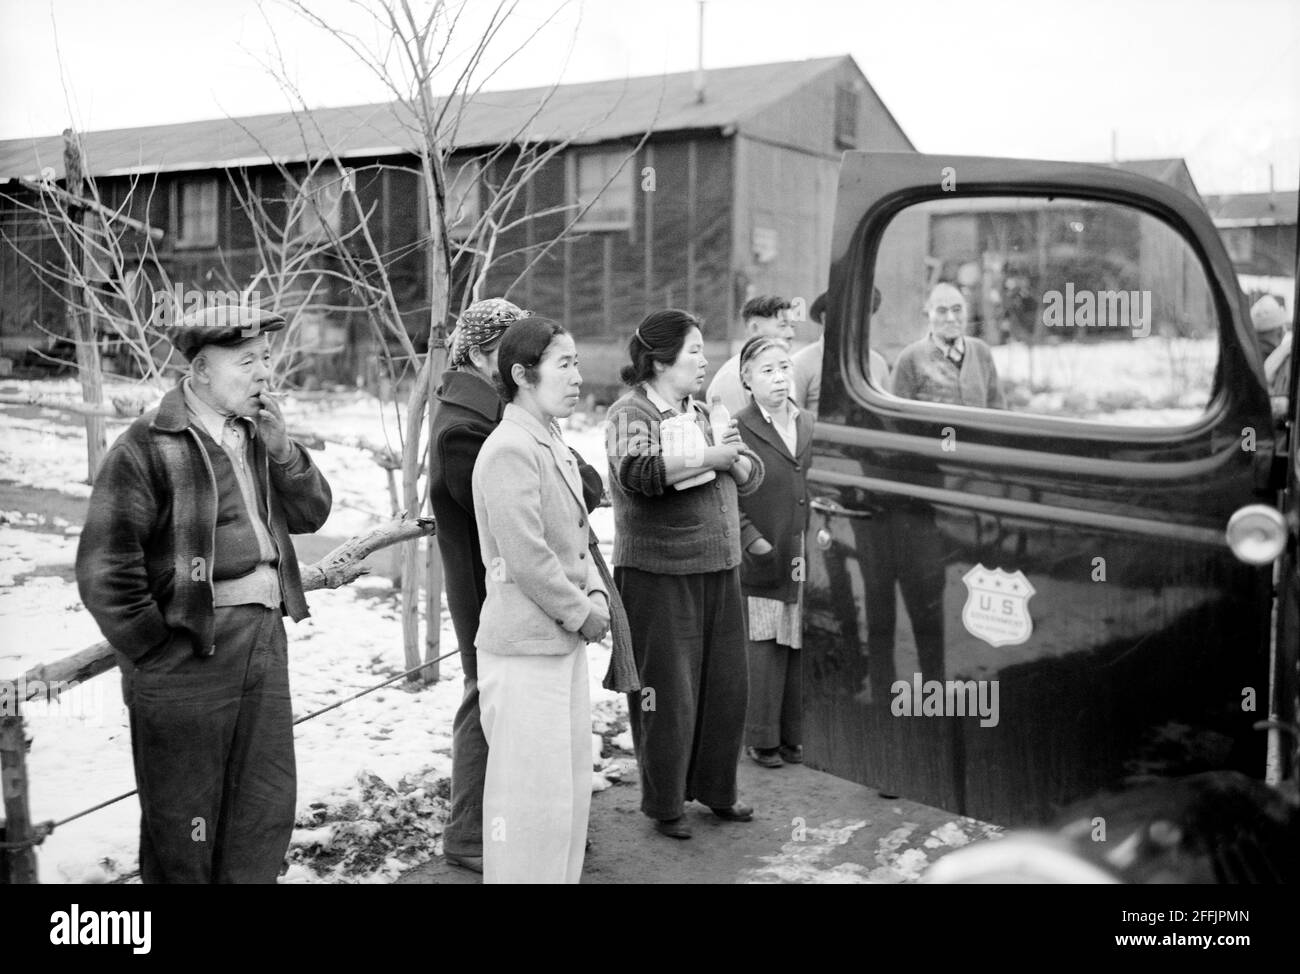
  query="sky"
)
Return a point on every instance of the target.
[{"x": 1214, "y": 81}]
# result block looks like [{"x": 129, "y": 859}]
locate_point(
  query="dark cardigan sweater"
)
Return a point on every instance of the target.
[
  {"x": 778, "y": 510},
  {"x": 658, "y": 528},
  {"x": 145, "y": 555}
]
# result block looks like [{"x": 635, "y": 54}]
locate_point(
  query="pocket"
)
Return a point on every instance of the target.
[
  {"x": 761, "y": 570},
  {"x": 153, "y": 658},
  {"x": 675, "y": 529},
  {"x": 510, "y": 617}
]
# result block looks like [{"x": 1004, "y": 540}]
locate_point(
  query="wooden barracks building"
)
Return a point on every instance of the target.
[{"x": 739, "y": 201}]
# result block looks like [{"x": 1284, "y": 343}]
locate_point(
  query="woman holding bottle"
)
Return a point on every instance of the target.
[{"x": 675, "y": 487}]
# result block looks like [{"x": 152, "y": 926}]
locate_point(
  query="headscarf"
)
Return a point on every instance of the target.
[{"x": 480, "y": 323}]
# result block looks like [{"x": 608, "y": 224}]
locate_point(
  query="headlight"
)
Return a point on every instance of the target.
[{"x": 1256, "y": 534}]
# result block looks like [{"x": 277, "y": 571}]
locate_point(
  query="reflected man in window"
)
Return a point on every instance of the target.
[{"x": 947, "y": 365}]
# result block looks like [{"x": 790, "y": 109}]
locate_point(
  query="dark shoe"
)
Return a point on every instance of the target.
[
  {"x": 765, "y": 756},
  {"x": 890, "y": 796},
  {"x": 674, "y": 828},
  {"x": 791, "y": 753},
  {"x": 735, "y": 813},
  {"x": 473, "y": 863}
]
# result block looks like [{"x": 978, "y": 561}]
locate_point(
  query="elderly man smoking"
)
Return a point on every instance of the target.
[{"x": 186, "y": 564}]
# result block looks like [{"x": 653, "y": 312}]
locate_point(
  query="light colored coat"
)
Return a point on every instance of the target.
[{"x": 533, "y": 534}]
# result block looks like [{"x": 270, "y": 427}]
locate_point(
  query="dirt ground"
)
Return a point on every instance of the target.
[{"x": 808, "y": 827}]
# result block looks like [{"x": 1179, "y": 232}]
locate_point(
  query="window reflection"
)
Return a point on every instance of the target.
[{"x": 1060, "y": 307}]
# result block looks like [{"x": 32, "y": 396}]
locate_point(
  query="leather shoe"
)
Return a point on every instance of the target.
[
  {"x": 735, "y": 813},
  {"x": 674, "y": 828},
  {"x": 765, "y": 756},
  {"x": 791, "y": 753},
  {"x": 472, "y": 863}
]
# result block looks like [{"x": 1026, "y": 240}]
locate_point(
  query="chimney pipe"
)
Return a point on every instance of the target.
[{"x": 699, "y": 67}]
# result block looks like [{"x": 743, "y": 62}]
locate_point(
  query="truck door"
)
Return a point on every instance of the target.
[{"x": 1019, "y": 588}]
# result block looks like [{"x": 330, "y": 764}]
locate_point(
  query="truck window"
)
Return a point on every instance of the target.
[{"x": 1062, "y": 307}]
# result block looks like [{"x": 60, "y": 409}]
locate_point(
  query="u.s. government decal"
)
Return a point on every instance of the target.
[{"x": 997, "y": 606}]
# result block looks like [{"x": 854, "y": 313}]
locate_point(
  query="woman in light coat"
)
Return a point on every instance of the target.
[{"x": 545, "y": 602}]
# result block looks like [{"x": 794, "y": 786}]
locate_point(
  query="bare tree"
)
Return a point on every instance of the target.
[
  {"x": 419, "y": 47},
  {"x": 325, "y": 241}
]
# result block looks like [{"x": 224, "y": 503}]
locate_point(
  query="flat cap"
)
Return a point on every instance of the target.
[{"x": 225, "y": 324}]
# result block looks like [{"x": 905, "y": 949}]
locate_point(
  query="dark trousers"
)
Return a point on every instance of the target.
[
  {"x": 688, "y": 720},
  {"x": 212, "y": 739},
  {"x": 469, "y": 753},
  {"x": 775, "y": 714},
  {"x": 902, "y": 546}
]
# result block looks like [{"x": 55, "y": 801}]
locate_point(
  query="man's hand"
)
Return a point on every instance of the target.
[
  {"x": 270, "y": 423},
  {"x": 732, "y": 437},
  {"x": 759, "y": 546},
  {"x": 597, "y": 624}
]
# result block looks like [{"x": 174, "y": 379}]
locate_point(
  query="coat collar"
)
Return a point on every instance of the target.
[
  {"x": 559, "y": 452},
  {"x": 665, "y": 408},
  {"x": 468, "y": 390},
  {"x": 173, "y": 415},
  {"x": 754, "y": 420}
]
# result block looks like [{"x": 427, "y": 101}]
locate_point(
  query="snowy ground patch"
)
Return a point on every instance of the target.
[{"x": 372, "y": 774}]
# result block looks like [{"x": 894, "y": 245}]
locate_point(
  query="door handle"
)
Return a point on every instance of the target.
[{"x": 833, "y": 509}]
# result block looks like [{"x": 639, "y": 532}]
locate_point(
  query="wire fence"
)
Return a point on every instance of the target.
[{"x": 43, "y": 830}]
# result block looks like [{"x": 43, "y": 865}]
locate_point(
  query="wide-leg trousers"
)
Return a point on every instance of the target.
[
  {"x": 212, "y": 739},
  {"x": 688, "y": 719},
  {"x": 536, "y": 717}
]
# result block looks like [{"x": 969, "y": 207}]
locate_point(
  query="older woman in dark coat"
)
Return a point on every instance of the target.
[{"x": 773, "y": 521}]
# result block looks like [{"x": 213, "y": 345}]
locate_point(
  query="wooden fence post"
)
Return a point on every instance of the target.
[
  {"x": 81, "y": 323},
  {"x": 16, "y": 865}
]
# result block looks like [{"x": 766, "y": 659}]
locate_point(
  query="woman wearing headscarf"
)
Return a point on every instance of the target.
[
  {"x": 676, "y": 564},
  {"x": 545, "y": 601}
]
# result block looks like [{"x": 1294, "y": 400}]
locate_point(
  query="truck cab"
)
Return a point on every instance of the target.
[{"x": 1056, "y": 547}]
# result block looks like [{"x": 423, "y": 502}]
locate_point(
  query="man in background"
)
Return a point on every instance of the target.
[
  {"x": 763, "y": 315},
  {"x": 1270, "y": 321},
  {"x": 947, "y": 365},
  {"x": 807, "y": 361}
]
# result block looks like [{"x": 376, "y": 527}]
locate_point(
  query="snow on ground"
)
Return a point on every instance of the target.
[
  {"x": 370, "y": 770},
  {"x": 1153, "y": 381}
]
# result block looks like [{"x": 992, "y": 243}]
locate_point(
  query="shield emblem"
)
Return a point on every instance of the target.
[{"x": 997, "y": 606}]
